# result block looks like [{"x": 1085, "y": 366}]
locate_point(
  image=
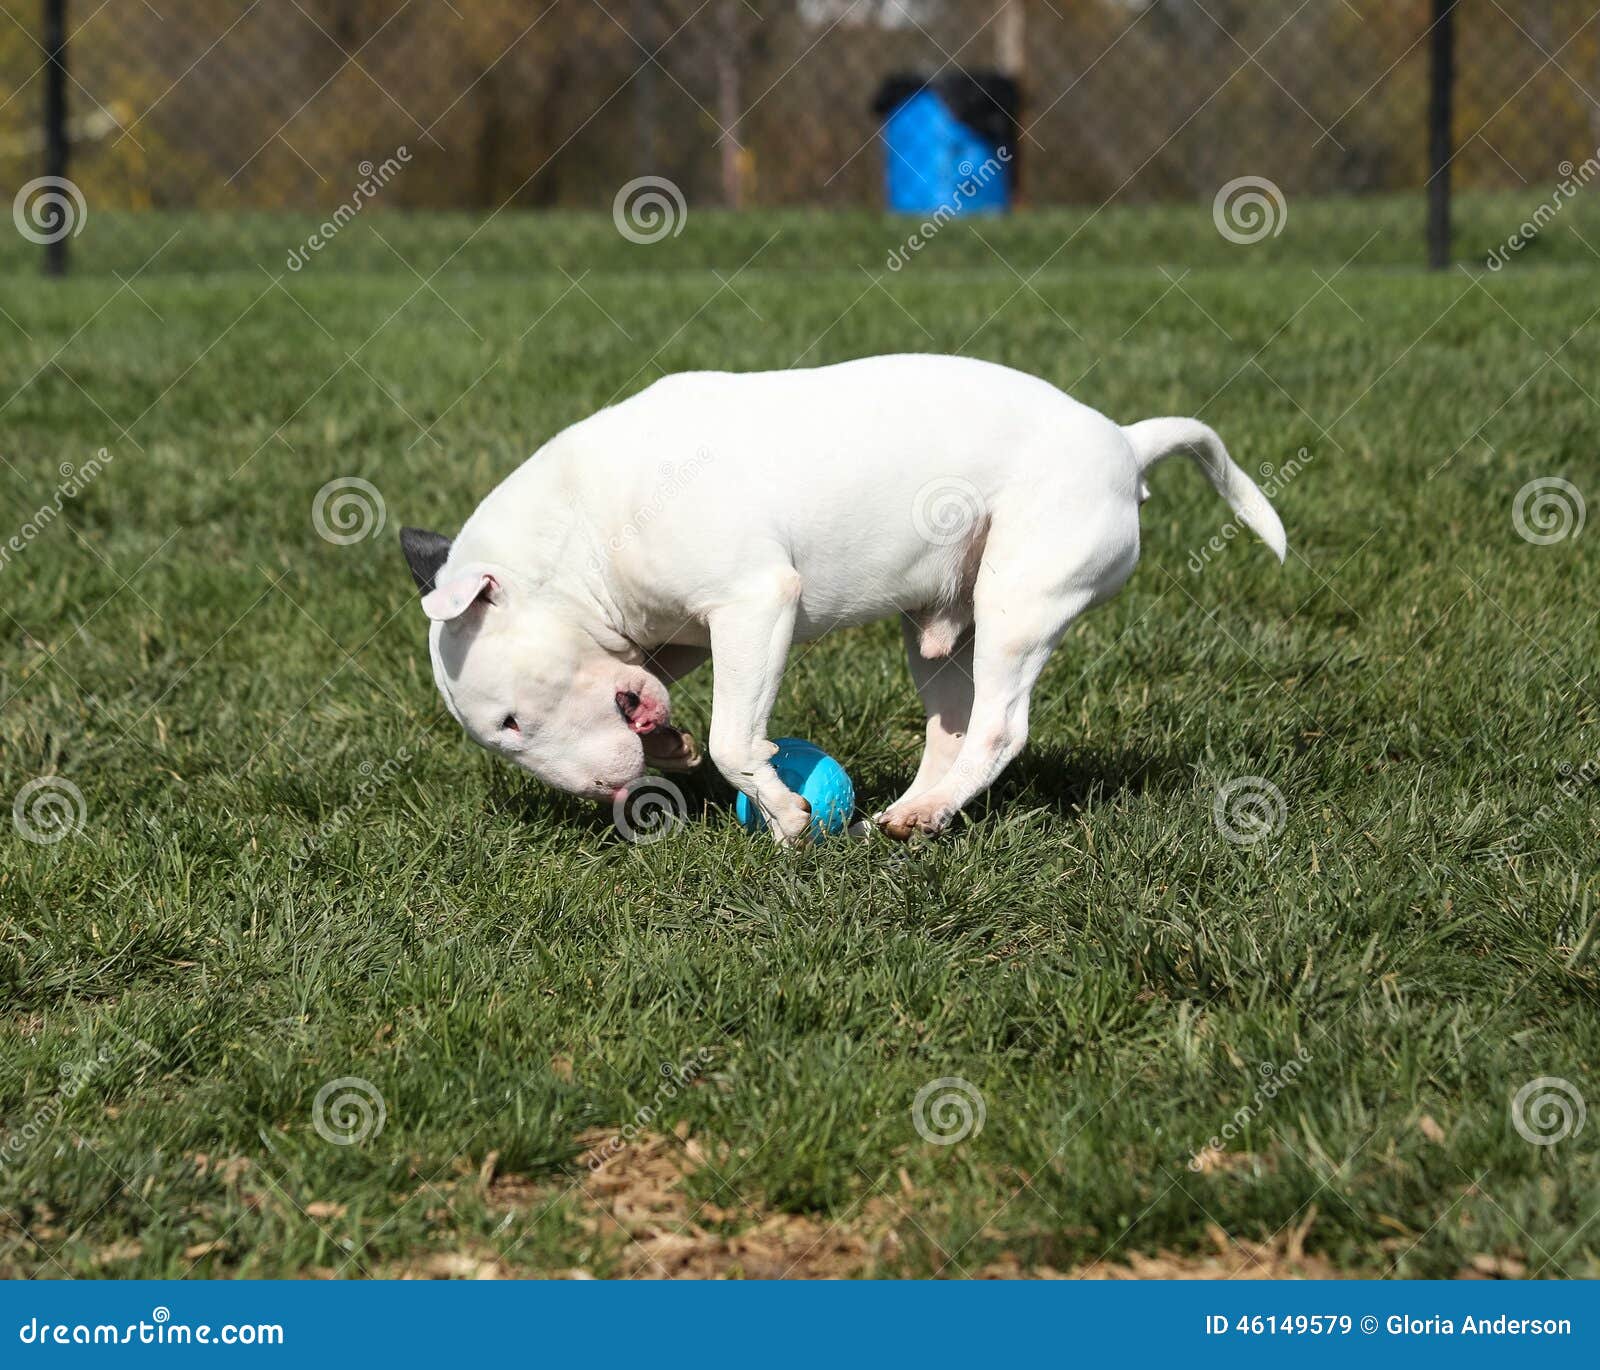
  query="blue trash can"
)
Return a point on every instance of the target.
[{"x": 948, "y": 145}]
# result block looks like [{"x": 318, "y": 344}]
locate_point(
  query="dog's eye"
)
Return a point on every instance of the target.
[{"x": 509, "y": 724}]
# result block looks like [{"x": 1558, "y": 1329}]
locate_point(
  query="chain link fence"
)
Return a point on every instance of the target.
[{"x": 241, "y": 107}]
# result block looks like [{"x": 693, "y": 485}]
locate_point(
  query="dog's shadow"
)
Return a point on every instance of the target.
[
  {"x": 692, "y": 795},
  {"x": 1068, "y": 778},
  {"x": 1064, "y": 779}
]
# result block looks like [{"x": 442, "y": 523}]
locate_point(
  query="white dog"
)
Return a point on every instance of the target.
[{"x": 733, "y": 515}]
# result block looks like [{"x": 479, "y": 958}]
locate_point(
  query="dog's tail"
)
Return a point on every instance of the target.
[{"x": 1156, "y": 439}]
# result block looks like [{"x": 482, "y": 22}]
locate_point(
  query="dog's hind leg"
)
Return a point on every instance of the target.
[
  {"x": 1010, "y": 645},
  {"x": 944, "y": 681}
]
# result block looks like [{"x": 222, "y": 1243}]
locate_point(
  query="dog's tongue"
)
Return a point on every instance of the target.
[{"x": 670, "y": 748}]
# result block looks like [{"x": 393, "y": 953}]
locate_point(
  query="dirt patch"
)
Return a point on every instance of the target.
[
  {"x": 639, "y": 1206},
  {"x": 638, "y": 1200},
  {"x": 1284, "y": 1258}
]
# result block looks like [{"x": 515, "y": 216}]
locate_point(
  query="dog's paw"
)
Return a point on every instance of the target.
[
  {"x": 903, "y": 820},
  {"x": 792, "y": 827}
]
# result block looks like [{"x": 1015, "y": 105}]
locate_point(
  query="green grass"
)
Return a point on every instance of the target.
[{"x": 293, "y": 868}]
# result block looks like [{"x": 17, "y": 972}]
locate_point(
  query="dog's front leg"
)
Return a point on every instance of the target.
[{"x": 749, "y": 646}]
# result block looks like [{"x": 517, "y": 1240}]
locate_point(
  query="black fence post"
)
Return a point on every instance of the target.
[
  {"x": 1441, "y": 87},
  {"x": 55, "y": 121},
  {"x": 646, "y": 101}
]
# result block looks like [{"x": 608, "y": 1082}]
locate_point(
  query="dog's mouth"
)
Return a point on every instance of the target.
[
  {"x": 670, "y": 749},
  {"x": 665, "y": 747},
  {"x": 643, "y": 713}
]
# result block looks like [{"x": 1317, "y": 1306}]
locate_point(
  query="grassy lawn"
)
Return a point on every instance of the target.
[{"x": 292, "y": 870}]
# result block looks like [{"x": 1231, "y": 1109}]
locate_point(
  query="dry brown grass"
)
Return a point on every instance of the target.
[{"x": 639, "y": 1207}]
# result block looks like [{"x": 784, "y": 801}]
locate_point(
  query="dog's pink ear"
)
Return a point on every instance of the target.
[{"x": 455, "y": 597}]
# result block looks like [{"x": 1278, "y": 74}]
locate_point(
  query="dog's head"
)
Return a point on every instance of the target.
[{"x": 527, "y": 682}]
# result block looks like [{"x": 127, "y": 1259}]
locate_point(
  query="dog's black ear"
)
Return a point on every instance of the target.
[{"x": 425, "y": 553}]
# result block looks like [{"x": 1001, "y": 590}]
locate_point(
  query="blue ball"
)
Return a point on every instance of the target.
[{"x": 817, "y": 778}]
